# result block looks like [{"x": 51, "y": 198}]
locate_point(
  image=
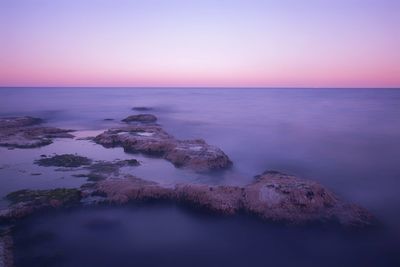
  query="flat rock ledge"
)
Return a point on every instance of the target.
[
  {"x": 273, "y": 196},
  {"x": 153, "y": 140},
  {"x": 24, "y": 132}
]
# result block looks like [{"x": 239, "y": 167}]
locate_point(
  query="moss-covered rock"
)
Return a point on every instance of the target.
[
  {"x": 113, "y": 166},
  {"x": 44, "y": 197},
  {"x": 64, "y": 160}
]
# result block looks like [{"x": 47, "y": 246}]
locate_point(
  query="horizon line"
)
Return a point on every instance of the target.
[{"x": 203, "y": 87}]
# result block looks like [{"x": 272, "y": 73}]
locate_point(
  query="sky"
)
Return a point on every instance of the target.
[{"x": 219, "y": 43}]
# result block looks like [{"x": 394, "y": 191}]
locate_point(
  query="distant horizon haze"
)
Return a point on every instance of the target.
[{"x": 176, "y": 43}]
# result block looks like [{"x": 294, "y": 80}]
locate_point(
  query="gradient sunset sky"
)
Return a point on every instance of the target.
[{"x": 280, "y": 43}]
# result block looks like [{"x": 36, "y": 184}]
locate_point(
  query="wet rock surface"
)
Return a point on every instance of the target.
[
  {"x": 100, "y": 170},
  {"x": 44, "y": 196},
  {"x": 153, "y": 140},
  {"x": 141, "y": 118},
  {"x": 64, "y": 160},
  {"x": 281, "y": 197},
  {"x": 24, "y": 132},
  {"x": 272, "y": 196},
  {"x": 25, "y": 202}
]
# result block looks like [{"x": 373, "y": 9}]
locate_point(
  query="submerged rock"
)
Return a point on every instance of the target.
[
  {"x": 153, "y": 140},
  {"x": 141, "y": 118},
  {"x": 64, "y": 160},
  {"x": 25, "y": 202},
  {"x": 142, "y": 108},
  {"x": 98, "y": 170},
  {"x": 272, "y": 196},
  {"x": 103, "y": 169},
  {"x": 112, "y": 166},
  {"x": 41, "y": 197},
  {"x": 15, "y": 122},
  {"x": 22, "y": 132},
  {"x": 6, "y": 248}
]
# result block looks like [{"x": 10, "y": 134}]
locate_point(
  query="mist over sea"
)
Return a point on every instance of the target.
[{"x": 345, "y": 139}]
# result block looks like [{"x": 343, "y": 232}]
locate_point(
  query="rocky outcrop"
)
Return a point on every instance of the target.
[
  {"x": 153, "y": 140},
  {"x": 281, "y": 197},
  {"x": 273, "y": 196},
  {"x": 23, "y": 132},
  {"x": 141, "y": 118}
]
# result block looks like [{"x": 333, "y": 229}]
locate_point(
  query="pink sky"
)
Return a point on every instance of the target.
[{"x": 343, "y": 43}]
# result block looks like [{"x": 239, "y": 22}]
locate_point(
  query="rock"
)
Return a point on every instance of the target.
[
  {"x": 6, "y": 248},
  {"x": 121, "y": 191},
  {"x": 273, "y": 196},
  {"x": 64, "y": 160},
  {"x": 104, "y": 169},
  {"x": 142, "y": 108},
  {"x": 221, "y": 199},
  {"x": 153, "y": 140},
  {"x": 21, "y": 132},
  {"x": 98, "y": 170},
  {"x": 141, "y": 118},
  {"x": 281, "y": 197},
  {"x": 198, "y": 155},
  {"x": 15, "y": 122},
  {"x": 25, "y": 202},
  {"x": 42, "y": 197}
]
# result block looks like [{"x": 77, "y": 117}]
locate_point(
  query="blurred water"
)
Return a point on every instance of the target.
[
  {"x": 347, "y": 139},
  {"x": 167, "y": 235}
]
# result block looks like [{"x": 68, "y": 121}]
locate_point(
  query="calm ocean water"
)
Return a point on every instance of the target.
[{"x": 348, "y": 140}]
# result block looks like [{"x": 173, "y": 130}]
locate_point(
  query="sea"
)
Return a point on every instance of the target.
[{"x": 346, "y": 139}]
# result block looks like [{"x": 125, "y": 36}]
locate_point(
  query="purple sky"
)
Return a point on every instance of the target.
[{"x": 337, "y": 43}]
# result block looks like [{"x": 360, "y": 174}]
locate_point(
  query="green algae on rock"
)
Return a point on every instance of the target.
[
  {"x": 64, "y": 160},
  {"x": 64, "y": 195}
]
